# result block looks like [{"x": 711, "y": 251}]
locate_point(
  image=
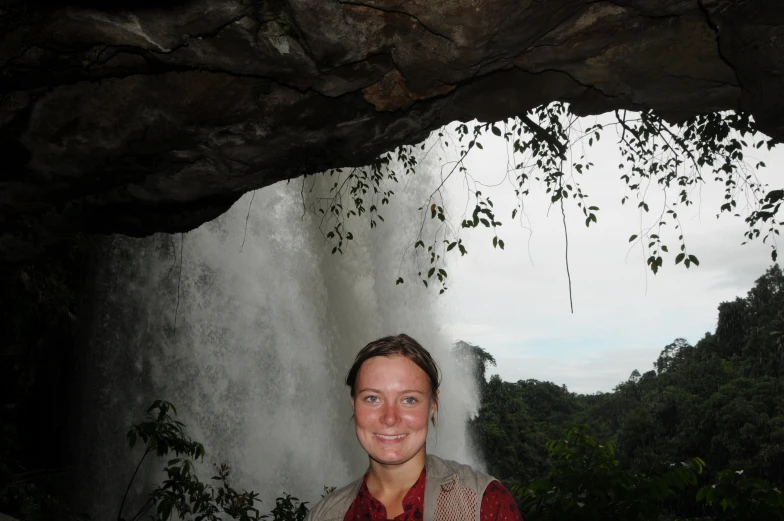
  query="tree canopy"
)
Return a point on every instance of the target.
[{"x": 719, "y": 400}]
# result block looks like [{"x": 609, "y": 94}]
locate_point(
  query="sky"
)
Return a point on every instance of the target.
[{"x": 515, "y": 303}]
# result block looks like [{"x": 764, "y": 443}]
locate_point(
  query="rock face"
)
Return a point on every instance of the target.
[{"x": 145, "y": 118}]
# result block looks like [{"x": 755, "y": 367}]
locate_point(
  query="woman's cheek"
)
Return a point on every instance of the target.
[
  {"x": 365, "y": 415},
  {"x": 416, "y": 418}
]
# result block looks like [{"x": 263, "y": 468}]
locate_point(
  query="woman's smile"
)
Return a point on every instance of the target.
[{"x": 387, "y": 438}]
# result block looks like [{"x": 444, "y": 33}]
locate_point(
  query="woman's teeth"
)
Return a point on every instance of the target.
[{"x": 385, "y": 437}]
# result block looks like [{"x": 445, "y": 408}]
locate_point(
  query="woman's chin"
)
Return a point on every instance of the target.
[
  {"x": 388, "y": 456},
  {"x": 392, "y": 455},
  {"x": 389, "y": 460}
]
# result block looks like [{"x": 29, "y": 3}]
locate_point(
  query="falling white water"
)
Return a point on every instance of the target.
[{"x": 267, "y": 324}]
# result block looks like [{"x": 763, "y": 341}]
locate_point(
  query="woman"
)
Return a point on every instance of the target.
[{"x": 394, "y": 386}]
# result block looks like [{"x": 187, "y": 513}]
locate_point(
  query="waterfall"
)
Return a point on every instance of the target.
[{"x": 248, "y": 325}]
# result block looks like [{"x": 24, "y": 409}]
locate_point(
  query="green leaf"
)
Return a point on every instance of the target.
[
  {"x": 679, "y": 258},
  {"x": 495, "y": 130},
  {"x": 399, "y": 281},
  {"x": 693, "y": 259},
  {"x": 632, "y": 238}
]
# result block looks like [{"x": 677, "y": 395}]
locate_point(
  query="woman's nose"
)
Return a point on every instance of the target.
[{"x": 390, "y": 415}]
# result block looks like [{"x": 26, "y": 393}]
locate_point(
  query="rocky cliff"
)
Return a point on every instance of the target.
[{"x": 137, "y": 117}]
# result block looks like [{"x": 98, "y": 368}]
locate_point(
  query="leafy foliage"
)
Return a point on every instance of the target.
[
  {"x": 743, "y": 497},
  {"x": 546, "y": 147},
  {"x": 182, "y": 493},
  {"x": 587, "y": 483},
  {"x": 288, "y": 508}
]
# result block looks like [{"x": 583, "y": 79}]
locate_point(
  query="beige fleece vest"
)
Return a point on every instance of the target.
[{"x": 453, "y": 492}]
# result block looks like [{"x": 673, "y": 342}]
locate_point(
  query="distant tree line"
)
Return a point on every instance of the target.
[{"x": 715, "y": 409}]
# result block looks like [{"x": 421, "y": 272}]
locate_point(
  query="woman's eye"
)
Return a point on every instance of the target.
[
  {"x": 372, "y": 399},
  {"x": 409, "y": 401}
]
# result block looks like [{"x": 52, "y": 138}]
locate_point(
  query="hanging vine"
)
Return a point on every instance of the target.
[{"x": 673, "y": 158}]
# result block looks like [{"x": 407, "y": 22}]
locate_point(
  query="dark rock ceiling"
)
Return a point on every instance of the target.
[{"x": 144, "y": 118}]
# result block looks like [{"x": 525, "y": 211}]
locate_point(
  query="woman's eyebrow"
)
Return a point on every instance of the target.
[
  {"x": 406, "y": 391},
  {"x": 368, "y": 389}
]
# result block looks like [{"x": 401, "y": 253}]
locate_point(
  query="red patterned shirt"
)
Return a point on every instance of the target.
[{"x": 497, "y": 504}]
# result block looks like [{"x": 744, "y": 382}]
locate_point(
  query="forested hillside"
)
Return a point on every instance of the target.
[{"x": 720, "y": 400}]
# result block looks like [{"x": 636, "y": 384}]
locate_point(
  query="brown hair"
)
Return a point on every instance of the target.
[{"x": 402, "y": 345}]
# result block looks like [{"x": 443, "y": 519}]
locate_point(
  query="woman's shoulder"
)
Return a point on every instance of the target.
[
  {"x": 334, "y": 505},
  {"x": 445, "y": 468},
  {"x": 444, "y": 471}
]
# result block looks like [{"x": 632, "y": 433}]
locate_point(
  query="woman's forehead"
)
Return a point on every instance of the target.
[{"x": 392, "y": 371}]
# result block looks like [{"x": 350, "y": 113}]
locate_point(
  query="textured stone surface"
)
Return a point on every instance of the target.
[{"x": 138, "y": 119}]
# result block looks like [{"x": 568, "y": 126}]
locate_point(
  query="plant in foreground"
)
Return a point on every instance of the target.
[{"x": 182, "y": 493}]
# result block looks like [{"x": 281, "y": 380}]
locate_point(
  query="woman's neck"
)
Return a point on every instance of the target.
[{"x": 395, "y": 479}]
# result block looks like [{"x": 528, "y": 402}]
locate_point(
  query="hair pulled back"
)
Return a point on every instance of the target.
[{"x": 402, "y": 345}]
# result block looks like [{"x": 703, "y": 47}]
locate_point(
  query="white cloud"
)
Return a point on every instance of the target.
[
  {"x": 515, "y": 303},
  {"x": 599, "y": 371}
]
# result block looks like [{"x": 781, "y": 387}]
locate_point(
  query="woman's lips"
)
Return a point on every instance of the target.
[{"x": 390, "y": 438}]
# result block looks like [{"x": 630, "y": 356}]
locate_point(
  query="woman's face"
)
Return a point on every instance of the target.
[{"x": 392, "y": 406}]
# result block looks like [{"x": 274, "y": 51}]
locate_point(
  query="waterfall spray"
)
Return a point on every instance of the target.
[{"x": 267, "y": 324}]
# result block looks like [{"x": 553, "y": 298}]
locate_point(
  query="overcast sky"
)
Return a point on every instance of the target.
[{"x": 515, "y": 303}]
